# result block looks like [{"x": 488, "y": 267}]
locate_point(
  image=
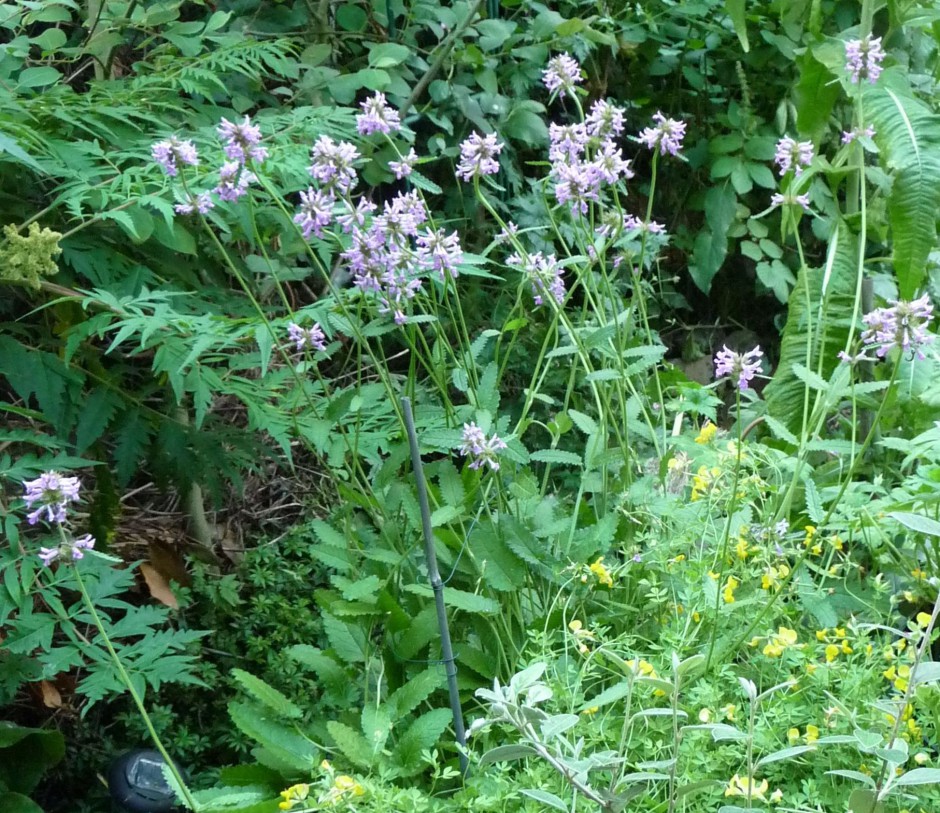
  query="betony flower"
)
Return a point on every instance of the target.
[
  {"x": 377, "y": 117},
  {"x": 201, "y": 203},
  {"x": 333, "y": 164},
  {"x": 562, "y": 74},
  {"x": 506, "y": 233},
  {"x": 481, "y": 449},
  {"x": 307, "y": 336},
  {"x": 578, "y": 184},
  {"x": 633, "y": 223},
  {"x": 242, "y": 141},
  {"x": 792, "y": 154},
  {"x": 789, "y": 199},
  {"x": 75, "y": 549},
  {"x": 230, "y": 189},
  {"x": 667, "y": 135},
  {"x": 356, "y": 217},
  {"x": 863, "y": 59},
  {"x": 172, "y": 152},
  {"x": 478, "y": 156},
  {"x": 403, "y": 168},
  {"x": 53, "y": 492},
  {"x": 743, "y": 366},
  {"x": 605, "y": 120},
  {"x": 440, "y": 252},
  {"x": 904, "y": 325},
  {"x": 545, "y": 276},
  {"x": 566, "y": 143},
  {"x": 610, "y": 163},
  {"x": 316, "y": 212},
  {"x": 848, "y": 136}
]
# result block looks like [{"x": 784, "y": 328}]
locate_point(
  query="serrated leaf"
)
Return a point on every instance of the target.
[
  {"x": 267, "y": 695},
  {"x": 556, "y": 456},
  {"x": 420, "y": 736},
  {"x": 412, "y": 694},
  {"x": 351, "y": 744},
  {"x": 289, "y": 747},
  {"x": 348, "y": 641}
]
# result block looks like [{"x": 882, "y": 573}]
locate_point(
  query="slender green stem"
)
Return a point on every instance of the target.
[{"x": 126, "y": 680}]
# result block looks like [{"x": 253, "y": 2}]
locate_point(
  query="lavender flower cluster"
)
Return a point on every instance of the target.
[
  {"x": 863, "y": 59},
  {"x": 481, "y": 450},
  {"x": 740, "y": 366},
  {"x": 52, "y": 493},
  {"x": 902, "y": 326},
  {"x": 241, "y": 146}
]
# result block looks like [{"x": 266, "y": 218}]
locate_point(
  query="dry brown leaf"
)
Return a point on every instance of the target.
[
  {"x": 51, "y": 698},
  {"x": 159, "y": 587}
]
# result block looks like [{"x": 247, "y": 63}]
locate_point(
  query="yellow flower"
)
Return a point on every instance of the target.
[
  {"x": 810, "y": 533},
  {"x": 707, "y": 432},
  {"x": 776, "y": 797},
  {"x": 729, "y": 711},
  {"x": 741, "y": 548},
  {"x": 696, "y": 616},
  {"x": 793, "y": 736},
  {"x": 918, "y": 574},
  {"x": 602, "y": 573},
  {"x": 772, "y": 576},
  {"x": 294, "y": 795},
  {"x": 812, "y": 733},
  {"x": 780, "y": 641},
  {"x": 591, "y": 710},
  {"x": 745, "y": 786},
  {"x": 836, "y": 541},
  {"x": 904, "y": 673},
  {"x": 832, "y": 652},
  {"x": 325, "y": 765},
  {"x": 730, "y": 586},
  {"x": 342, "y": 786},
  {"x": 811, "y": 667},
  {"x": 822, "y": 634},
  {"x": 923, "y": 620}
]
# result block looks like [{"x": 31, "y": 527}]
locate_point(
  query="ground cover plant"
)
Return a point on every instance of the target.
[{"x": 655, "y": 286}]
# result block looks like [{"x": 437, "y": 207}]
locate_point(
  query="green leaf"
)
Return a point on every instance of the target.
[
  {"x": 459, "y": 599},
  {"x": 814, "y": 95},
  {"x": 267, "y": 695},
  {"x": 919, "y": 776},
  {"x": 735, "y": 9},
  {"x": 26, "y": 754},
  {"x": 507, "y": 753},
  {"x": 556, "y": 456},
  {"x": 908, "y": 133},
  {"x": 348, "y": 641},
  {"x": 545, "y": 798},
  {"x": 421, "y": 735},
  {"x": 784, "y": 753},
  {"x": 917, "y": 522},
  {"x": 287, "y": 746},
  {"x": 17, "y": 803},
  {"x": 711, "y": 244},
  {"x": 351, "y": 743},
  {"x": 412, "y": 694},
  {"x": 38, "y": 77},
  {"x": 388, "y": 55},
  {"x": 831, "y": 311},
  {"x": 503, "y": 570}
]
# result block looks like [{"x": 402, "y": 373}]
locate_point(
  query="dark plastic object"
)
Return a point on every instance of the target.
[{"x": 137, "y": 784}]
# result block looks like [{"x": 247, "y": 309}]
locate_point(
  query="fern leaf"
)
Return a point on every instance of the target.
[
  {"x": 909, "y": 134},
  {"x": 784, "y": 394}
]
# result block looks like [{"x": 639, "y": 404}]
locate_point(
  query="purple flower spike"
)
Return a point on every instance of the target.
[
  {"x": 562, "y": 74},
  {"x": 478, "y": 156},
  {"x": 743, "y": 366},
  {"x": 316, "y": 212},
  {"x": 302, "y": 337},
  {"x": 242, "y": 141},
  {"x": 667, "y": 135},
  {"x": 605, "y": 120},
  {"x": 545, "y": 276},
  {"x": 172, "y": 152},
  {"x": 403, "y": 168},
  {"x": 333, "y": 165},
  {"x": 234, "y": 180},
  {"x": 792, "y": 154},
  {"x": 377, "y": 117},
  {"x": 789, "y": 200},
  {"x": 477, "y": 446},
  {"x": 53, "y": 492},
  {"x": 201, "y": 203},
  {"x": 863, "y": 59},
  {"x": 904, "y": 325}
]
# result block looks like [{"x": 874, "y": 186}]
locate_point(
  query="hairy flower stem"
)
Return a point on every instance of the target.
[
  {"x": 126, "y": 680},
  {"x": 723, "y": 549}
]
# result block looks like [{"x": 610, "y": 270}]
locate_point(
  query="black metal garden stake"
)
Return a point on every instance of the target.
[{"x": 434, "y": 575}]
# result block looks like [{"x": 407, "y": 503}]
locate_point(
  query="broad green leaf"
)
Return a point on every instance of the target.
[
  {"x": 507, "y": 753},
  {"x": 917, "y": 522},
  {"x": 735, "y": 9}
]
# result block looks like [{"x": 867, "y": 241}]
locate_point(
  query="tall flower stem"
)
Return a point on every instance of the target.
[{"x": 126, "y": 680}]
